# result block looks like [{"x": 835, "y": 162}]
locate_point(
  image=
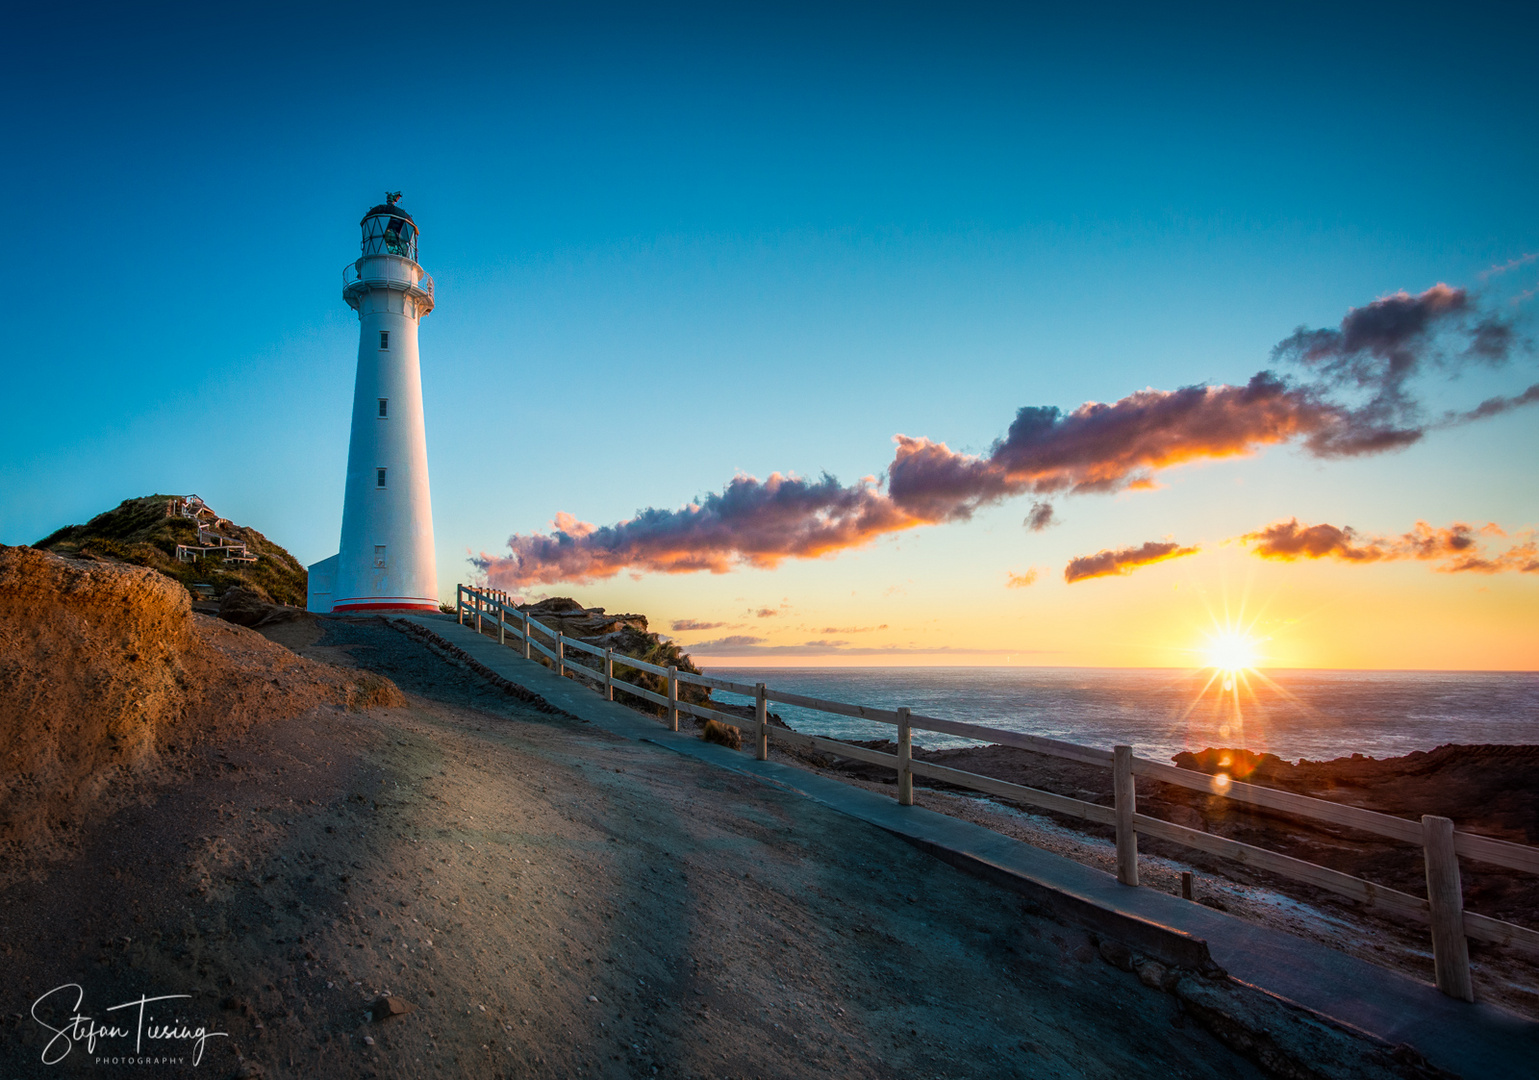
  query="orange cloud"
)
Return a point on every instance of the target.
[
  {"x": 1125, "y": 561},
  {"x": 754, "y": 522},
  {"x": 1354, "y": 399}
]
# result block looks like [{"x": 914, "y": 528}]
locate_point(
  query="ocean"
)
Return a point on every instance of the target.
[{"x": 1159, "y": 712}]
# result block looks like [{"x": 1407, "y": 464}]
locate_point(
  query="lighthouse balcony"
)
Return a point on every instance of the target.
[{"x": 387, "y": 273}]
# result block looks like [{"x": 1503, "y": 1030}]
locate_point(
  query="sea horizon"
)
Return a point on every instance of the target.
[
  {"x": 1296, "y": 713},
  {"x": 709, "y": 667}
]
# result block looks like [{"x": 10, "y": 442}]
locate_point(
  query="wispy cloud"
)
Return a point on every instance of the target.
[
  {"x": 851, "y": 629},
  {"x": 686, "y": 625},
  {"x": 826, "y": 648},
  {"x": 1349, "y": 394},
  {"x": 1508, "y": 266},
  {"x": 1021, "y": 581},
  {"x": 731, "y": 641},
  {"x": 1453, "y": 549},
  {"x": 1124, "y": 561},
  {"x": 1492, "y": 406}
]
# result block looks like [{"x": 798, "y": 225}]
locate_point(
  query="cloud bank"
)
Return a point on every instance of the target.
[
  {"x": 1349, "y": 395},
  {"x": 1454, "y": 549}
]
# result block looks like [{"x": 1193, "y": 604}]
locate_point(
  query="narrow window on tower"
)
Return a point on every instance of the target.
[
  {"x": 382, "y": 412},
  {"x": 379, "y": 478},
  {"x": 384, "y": 339},
  {"x": 379, "y": 556}
]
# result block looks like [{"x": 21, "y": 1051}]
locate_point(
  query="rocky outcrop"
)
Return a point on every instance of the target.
[
  {"x": 1489, "y": 787},
  {"x": 627, "y": 635},
  {"x": 1485, "y": 789},
  {"x": 250, "y": 607},
  {"x": 588, "y": 624}
]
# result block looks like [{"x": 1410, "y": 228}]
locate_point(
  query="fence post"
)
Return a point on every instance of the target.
[
  {"x": 1125, "y": 795},
  {"x": 609, "y": 674},
  {"x": 761, "y": 721},
  {"x": 673, "y": 699},
  {"x": 459, "y": 602},
  {"x": 1445, "y": 896},
  {"x": 560, "y": 654},
  {"x": 905, "y": 758},
  {"x": 528, "y": 652},
  {"x": 479, "y": 606},
  {"x": 502, "y": 623}
]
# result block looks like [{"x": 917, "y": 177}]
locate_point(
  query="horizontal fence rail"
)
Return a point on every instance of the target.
[{"x": 1442, "y": 845}]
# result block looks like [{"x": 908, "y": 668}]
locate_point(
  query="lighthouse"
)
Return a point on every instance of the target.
[{"x": 385, "y": 558}]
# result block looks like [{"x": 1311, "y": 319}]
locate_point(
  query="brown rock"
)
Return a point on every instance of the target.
[
  {"x": 246, "y": 607},
  {"x": 1117, "y": 954},
  {"x": 389, "y": 1006},
  {"x": 572, "y": 619},
  {"x": 1152, "y": 974}
]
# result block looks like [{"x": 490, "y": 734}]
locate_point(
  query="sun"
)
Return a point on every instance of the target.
[{"x": 1231, "y": 651}]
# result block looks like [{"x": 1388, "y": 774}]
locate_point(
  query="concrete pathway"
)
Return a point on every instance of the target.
[{"x": 1472, "y": 1040}]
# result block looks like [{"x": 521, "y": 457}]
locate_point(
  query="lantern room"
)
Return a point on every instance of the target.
[{"x": 389, "y": 230}]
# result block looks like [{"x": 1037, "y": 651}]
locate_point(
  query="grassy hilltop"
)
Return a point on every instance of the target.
[{"x": 138, "y": 531}]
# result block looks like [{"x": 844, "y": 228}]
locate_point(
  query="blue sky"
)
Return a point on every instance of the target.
[{"x": 671, "y": 246}]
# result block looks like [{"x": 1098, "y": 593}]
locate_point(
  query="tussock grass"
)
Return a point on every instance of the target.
[
  {"x": 138, "y": 532},
  {"x": 725, "y": 734}
]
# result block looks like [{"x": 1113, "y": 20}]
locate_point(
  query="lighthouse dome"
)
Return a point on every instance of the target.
[
  {"x": 389, "y": 230},
  {"x": 389, "y": 210}
]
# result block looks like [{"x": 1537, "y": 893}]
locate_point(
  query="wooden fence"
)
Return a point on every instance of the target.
[{"x": 1442, "y": 845}]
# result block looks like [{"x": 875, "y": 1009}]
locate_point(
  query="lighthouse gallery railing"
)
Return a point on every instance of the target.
[{"x": 351, "y": 276}]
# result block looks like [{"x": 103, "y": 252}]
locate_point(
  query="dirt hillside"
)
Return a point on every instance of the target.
[
  {"x": 473, "y": 886},
  {"x": 106, "y": 674}
]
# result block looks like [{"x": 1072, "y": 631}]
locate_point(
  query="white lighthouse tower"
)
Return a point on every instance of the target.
[{"x": 386, "y": 558}]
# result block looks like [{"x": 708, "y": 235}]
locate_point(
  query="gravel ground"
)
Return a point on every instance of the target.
[{"x": 544, "y": 899}]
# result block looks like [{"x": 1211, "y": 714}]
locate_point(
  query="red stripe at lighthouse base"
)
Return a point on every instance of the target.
[{"x": 402, "y": 604}]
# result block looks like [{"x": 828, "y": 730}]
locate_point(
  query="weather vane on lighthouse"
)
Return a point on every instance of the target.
[{"x": 385, "y": 558}]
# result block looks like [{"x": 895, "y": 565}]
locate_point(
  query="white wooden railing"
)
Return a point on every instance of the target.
[{"x": 1442, "y": 845}]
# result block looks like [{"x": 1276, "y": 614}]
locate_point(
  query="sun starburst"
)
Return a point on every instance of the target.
[{"x": 1231, "y": 651}]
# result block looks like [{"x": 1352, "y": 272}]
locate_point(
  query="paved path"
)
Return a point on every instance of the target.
[{"x": 1472, "y": 1040}]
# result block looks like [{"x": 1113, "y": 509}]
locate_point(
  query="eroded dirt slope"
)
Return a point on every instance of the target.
[
  {"x": 550, "y": 901},
  {"x": 108, "y": 678}
]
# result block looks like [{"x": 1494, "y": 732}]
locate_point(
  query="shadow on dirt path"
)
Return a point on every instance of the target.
[{"x": 544, "y": 899}]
